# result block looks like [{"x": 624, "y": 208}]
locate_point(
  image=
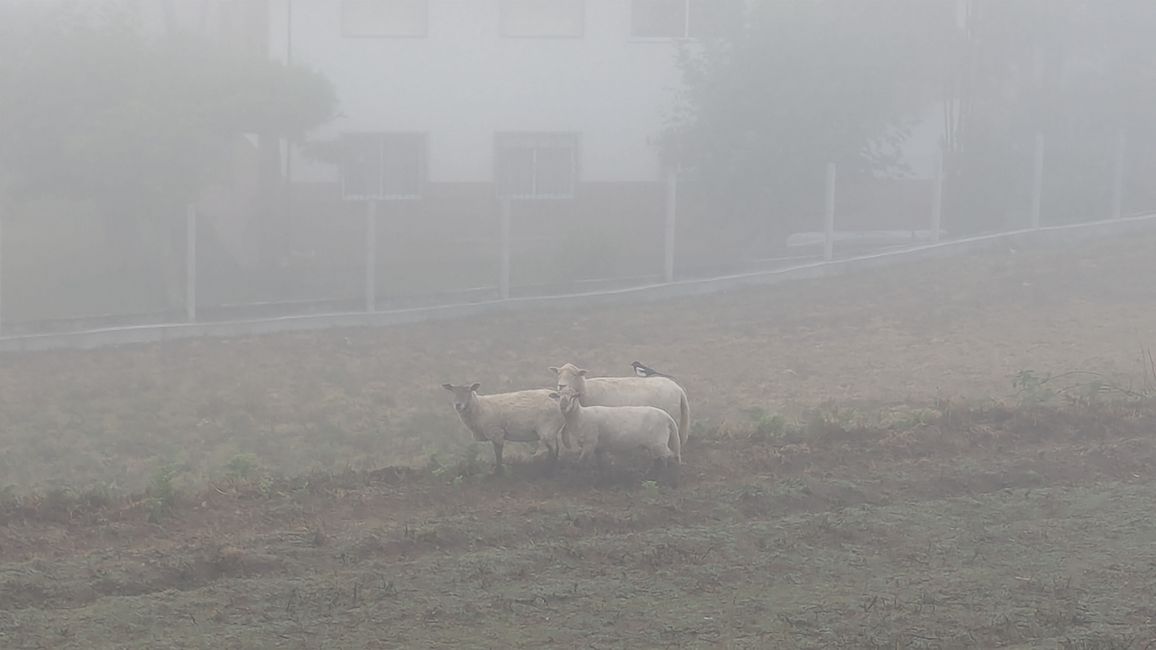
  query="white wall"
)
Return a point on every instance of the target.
[
  {"x": 464, "y": 82},
  {"x": 199, "y": 16}
]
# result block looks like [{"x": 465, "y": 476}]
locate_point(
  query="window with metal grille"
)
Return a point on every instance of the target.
[
  {"x": 543, "y": 18},
  {"x": 384, "y": 18},
  {"x": 387, "y": 166},
  {"x": 536, "y": 165},
  {"x": 683, "y": 18}
]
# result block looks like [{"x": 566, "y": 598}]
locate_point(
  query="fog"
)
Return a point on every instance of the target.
[
  {"x": 209, "y": 160},
  {"x": 577, "y": 323}
]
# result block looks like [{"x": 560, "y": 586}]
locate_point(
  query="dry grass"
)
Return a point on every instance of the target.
[
  {"x": 361, "y": 399},
  {"x": 864, "y": 474},
  {"x": 982, "y": 527}
]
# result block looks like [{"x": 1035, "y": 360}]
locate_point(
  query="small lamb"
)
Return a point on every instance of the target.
[
  {"x": 522, "y": 416},
  {"x": 601, "y": 429}
]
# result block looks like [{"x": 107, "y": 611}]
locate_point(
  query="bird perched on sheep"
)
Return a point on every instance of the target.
[
  {"x": 521, "y": 416},
  {"x": 659, "y": 392},
  {"x": 598, "y": 430},
  {"x": 646, "y": 371}
]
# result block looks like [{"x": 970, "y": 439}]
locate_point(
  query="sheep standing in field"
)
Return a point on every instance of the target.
[
  {"x": 659, "y": 392},
  {"x": 522, "y": 416},
  {"x": 618, "y": 429}
]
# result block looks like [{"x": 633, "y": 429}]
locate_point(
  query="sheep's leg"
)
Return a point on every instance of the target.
[
  {"x": 564, "y": 438},
  {"x": 540, "y": 448},
  {"x": 585, "y": 454},
  {"x": 548, "y": 449},
  {"x": 600, "y": 459},
  {"x": 664, "y": 464},
  {"x": 669, "y": 468},
  {"x": 552, "y": 450},
  {"x": 498, "y": 467},
  {"x": 552, "y": 463},
  {"x": 656, "y": 469}
]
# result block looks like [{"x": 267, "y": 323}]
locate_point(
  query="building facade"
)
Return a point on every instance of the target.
[
  {"x": 449, "y": 106},
  {"x": 536, "y": 97}
]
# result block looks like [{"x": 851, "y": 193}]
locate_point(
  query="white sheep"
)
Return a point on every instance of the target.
[
  {"x": 659, "y": 392},
  {"x": 617, "y": 429},
  {"x": 522, "y": 416}
]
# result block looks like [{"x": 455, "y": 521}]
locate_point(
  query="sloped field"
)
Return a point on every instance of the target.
[{"x": 950, "y": 455}]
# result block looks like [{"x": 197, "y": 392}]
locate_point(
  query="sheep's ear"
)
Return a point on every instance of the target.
[
  {"x": 474, "y": 387},
  {"x": 581, "y": 373},
  {"x": 448, "y": 386},
  {"x": 554, "y": 396},
  {"x": 555, "y": 370}
]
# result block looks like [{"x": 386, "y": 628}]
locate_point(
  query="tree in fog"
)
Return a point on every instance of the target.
[
  {"x": 800, "y": 84},
  {"x": 91, "y": 108},
  {"x": 1076, "y": 71}
]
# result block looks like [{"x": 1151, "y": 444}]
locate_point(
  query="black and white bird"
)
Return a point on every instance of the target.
[{"x": 645, "y": 371}]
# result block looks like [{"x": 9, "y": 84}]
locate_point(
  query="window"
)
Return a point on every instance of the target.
[
  {"x": 683, "y": 18},
  {"x": 383, "y": 18},
  {"x": 537, "y": 165},
  {"x": 389, "y": 166},
  {"x": 543, "y": 18}
]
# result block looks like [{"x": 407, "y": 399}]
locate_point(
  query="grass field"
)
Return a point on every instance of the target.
[{"x": 957, "y": 454}]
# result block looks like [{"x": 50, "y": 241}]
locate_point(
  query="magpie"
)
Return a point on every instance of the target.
[{"x": 643, "y": 371}]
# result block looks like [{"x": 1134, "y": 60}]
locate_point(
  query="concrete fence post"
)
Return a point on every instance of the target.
[
  {"x": 371, "y": 255},
  {"x": 191, "y": 264},
  {"x": 1037, "y": 182},
  {"x": 4, "y": 204},
  {"x": 829, "y": 216},
  {"x": 937, "y": 199},
  {"x": 504, "y": 265},
  {"x": 3, "y": 216},
  {"x": 671, "y": 216},
  {"x": 1119, "y": 174}
]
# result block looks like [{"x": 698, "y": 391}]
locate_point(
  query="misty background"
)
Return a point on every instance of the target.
[{"x": 205, "y": 159}]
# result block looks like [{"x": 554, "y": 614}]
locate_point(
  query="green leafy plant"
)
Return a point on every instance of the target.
[
  {"x": 766, "y": 425},
  {"x": 241, "y": 466},
  {"x": 1032, "y": 387},
  {"x": 162, "y": 493}
]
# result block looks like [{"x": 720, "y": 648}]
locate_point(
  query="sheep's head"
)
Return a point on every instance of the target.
[
  {"x": 462, "y": 395},
  {"x": 571, "y": 377},
  {"x": 567, "y": 399}
]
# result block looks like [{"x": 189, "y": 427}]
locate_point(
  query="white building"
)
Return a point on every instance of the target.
[
  {"x": 238, "y": 24},
  {"x": 446, "y": 105},
  {"x": 545, "y": 98}
]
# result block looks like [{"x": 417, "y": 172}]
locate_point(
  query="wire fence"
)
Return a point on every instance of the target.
[{"x": 65, "y": 269}]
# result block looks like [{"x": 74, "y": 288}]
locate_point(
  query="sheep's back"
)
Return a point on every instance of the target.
[
  {"x": 521, "y": 411},
  {"x": 624, "y": 417},
  {"x": 624, "y": 426},
  {"x": 658, "y": 392}
]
